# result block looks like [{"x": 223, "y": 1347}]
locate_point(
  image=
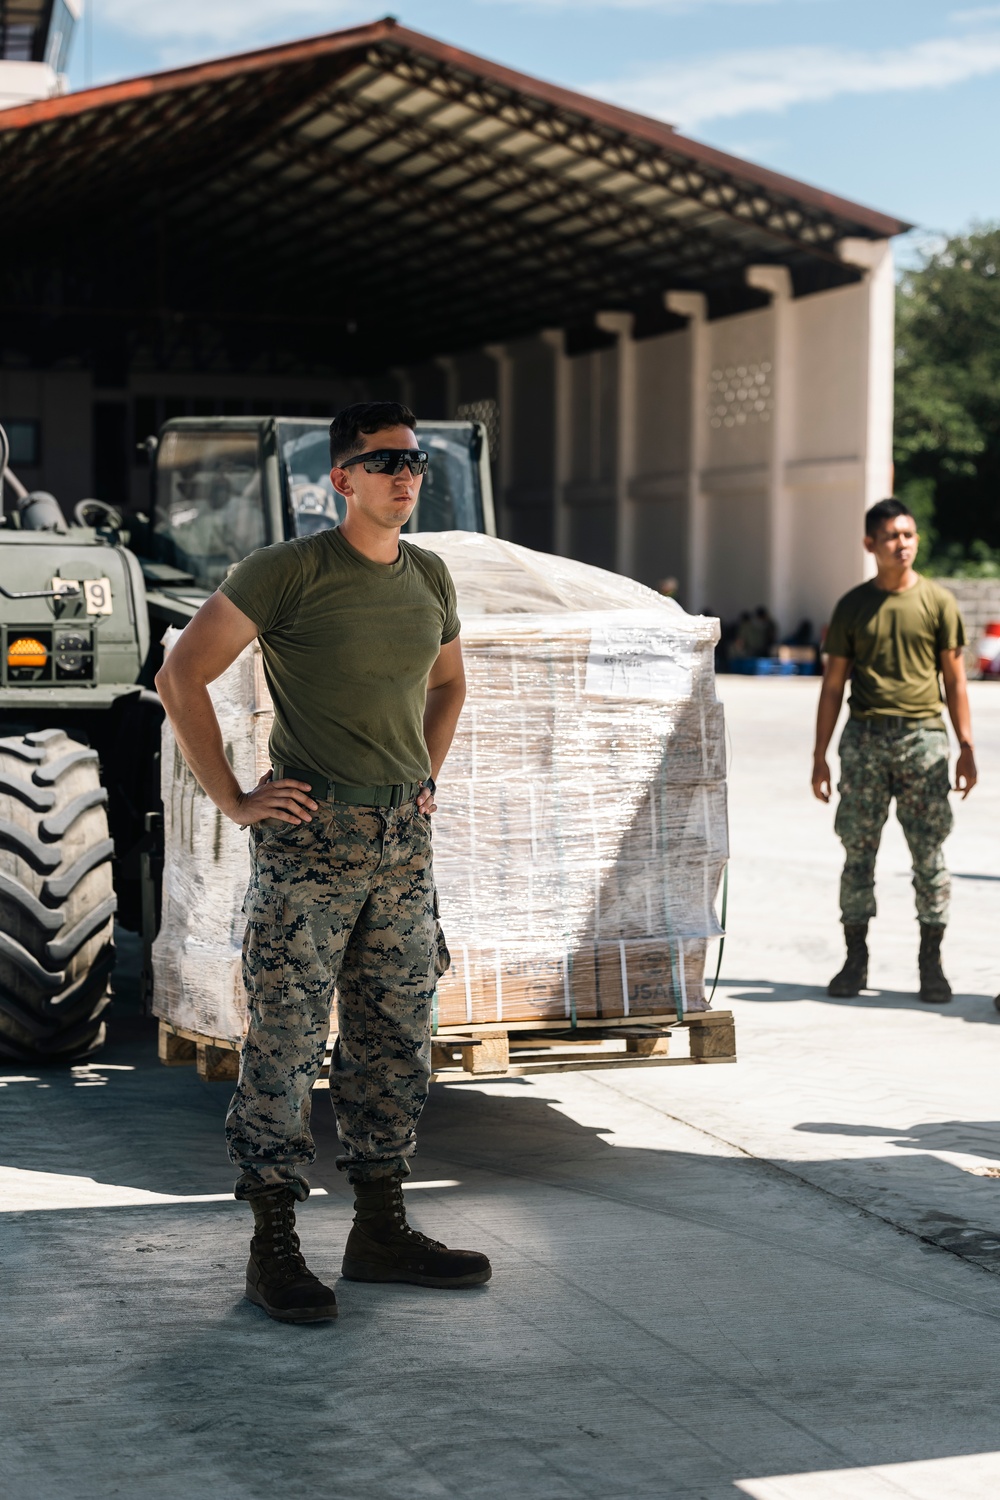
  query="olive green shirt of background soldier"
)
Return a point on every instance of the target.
[
  {"x": 894, "y": 641},
  {"x": 347, "y": 645}
]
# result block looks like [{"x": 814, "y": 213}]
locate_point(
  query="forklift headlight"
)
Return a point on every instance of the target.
[
  {"x": 26, "y": 652},
  {"x": 72, "y": 655}
]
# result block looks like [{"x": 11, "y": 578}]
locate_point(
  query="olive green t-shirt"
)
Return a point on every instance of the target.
[
  {"x": 894, "y": 641},
  {"x": 347, "y": 645}
]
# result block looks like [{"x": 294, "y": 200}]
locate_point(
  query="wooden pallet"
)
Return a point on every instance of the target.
[
  {"x": 217, "y": 1060},
  {"x": 512, "y": 1051},
  {"x": 522, "y": 1048}
]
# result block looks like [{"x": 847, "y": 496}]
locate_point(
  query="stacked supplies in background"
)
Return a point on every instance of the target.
[{"x": 581, "y": 830}]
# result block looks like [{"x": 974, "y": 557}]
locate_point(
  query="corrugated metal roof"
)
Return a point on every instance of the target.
[{"x": 378, "y": 180}]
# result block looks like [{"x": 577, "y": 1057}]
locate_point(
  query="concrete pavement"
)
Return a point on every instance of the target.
[{"x": 773, "y": 1280}]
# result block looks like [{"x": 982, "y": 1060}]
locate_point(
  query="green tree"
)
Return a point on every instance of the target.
[{"x": 948, "y": 400}]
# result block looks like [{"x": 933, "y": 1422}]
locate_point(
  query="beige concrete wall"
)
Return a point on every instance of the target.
[
  {"x": 528, "y": 426},
  {"x": 661, "y": 533},
  {"x": 838, "y": 460},
  {"x": 738, "y": 406},
  {"x": 738, "y": 455}
]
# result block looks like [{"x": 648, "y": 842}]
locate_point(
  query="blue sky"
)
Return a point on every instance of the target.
[{"x": 893, "y": 103}]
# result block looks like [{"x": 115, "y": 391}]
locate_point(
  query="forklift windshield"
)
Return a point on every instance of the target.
[{"x": 209, "y": 509}]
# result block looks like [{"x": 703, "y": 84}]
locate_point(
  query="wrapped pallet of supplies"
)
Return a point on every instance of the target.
[{"x": 581, "y": 827}]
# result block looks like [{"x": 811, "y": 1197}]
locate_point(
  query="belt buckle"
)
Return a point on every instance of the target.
[{"x": 396, "y": 796}]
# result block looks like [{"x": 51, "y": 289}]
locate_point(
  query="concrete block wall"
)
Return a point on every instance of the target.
[
  {"x": 737, "y": 454},
  {"x": 979, "y": 601}
]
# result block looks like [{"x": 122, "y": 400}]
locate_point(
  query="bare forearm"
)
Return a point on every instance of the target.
[
  {"x": 192, "y": 716},
  {"x": 957, "y": 698},
  {"x": 210, "y": 644},
  {"x": 828, "y": 712},
  {"x": 441, "y": 715}
]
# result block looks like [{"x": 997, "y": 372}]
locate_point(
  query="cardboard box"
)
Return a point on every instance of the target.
[{"x": 594, "y": 981}]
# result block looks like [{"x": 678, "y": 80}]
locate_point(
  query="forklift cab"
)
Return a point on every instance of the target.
[{"x": 224, "y": 486}]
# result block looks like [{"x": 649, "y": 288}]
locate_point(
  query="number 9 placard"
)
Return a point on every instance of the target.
[{"x": 97, "y": 593}]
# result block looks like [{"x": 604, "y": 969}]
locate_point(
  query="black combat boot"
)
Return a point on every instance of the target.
[
  {"x": 382, "y": 1247},
  {"x": 278, "y": 1279},
  {"x": 853, "y": 977},
  {"x": 934, "y": 988}
]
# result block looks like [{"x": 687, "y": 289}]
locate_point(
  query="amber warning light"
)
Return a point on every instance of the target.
[{"x": 26, "y": 652}]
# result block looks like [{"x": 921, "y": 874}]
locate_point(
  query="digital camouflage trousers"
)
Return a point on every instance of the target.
[
  {"x": 346, "y": 902},
  {"x": 910, "y": 763}
]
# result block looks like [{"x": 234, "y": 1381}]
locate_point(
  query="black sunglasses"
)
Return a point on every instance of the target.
[{"x": 390, "y": 461}]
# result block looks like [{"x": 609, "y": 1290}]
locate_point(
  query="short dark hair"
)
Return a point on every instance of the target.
[
  {"x": 364, "y": 418},
  {"x": 884, "y": 510}
]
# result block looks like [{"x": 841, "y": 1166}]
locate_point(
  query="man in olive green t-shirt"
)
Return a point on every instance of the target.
[
  {"x": 893, "y": 636},
  {"x": 360, "y": 640}
]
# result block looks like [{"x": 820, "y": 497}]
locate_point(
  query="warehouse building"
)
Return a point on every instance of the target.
[{"x": 684, "y": 360}]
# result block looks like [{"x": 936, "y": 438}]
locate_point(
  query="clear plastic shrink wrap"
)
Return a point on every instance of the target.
[{"x": 581, "y": 826}]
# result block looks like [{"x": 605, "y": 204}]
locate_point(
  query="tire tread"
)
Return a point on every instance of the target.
[{"x": 56, "y": 897}]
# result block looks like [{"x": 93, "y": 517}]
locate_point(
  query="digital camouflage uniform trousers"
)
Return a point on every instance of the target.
[
  {"x": 344, "y": 901},
  {"x": 880, "y": 760}
]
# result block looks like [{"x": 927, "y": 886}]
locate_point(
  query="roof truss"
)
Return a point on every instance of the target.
[{"x": 389, "y": 185}]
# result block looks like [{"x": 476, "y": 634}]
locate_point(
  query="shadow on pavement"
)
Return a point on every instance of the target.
[
  {"x": 978, "y": 1009},
  {"x": 661, "y": 1322},
  {"x": 972, "y": 1137}
]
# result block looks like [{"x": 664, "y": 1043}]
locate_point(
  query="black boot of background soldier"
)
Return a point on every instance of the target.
[
  {"x": 853, "y": 977},
  {"x": 382, "y": 1247},
  {"x": 934, "y": 987}
]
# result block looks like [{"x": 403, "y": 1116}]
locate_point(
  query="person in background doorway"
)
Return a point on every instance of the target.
[
  {"x": 739, "y": 637},
  {"x": 894, "y": 635},
  {"x": 800, "y": 646},
  {"x": 766, "y": 631},
  {"x": 803, "y": 635}
]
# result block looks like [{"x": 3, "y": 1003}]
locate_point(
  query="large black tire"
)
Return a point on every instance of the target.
[{"x": 57, "y": 899}]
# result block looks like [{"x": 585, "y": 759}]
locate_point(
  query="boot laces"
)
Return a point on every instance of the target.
[
  {"x": 280, "y": 1243},
  {"x": 398, "y": 1211}
]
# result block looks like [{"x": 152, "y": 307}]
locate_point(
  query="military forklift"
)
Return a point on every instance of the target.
[{"x": 83, "y": 607}]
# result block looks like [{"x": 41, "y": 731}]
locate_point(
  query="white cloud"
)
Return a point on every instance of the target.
[
  {"x": 977, "y": 16},
  {"x": 238, "y": 24},
  {"x": 769, "y": 80}
]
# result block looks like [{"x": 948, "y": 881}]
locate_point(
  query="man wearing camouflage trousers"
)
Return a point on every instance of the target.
[
  {"x": 360, "y": 643},
  {"x": 893, "y": 635}
]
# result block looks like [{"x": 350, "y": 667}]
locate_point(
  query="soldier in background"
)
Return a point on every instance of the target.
[{"x": 893, "y": 636}]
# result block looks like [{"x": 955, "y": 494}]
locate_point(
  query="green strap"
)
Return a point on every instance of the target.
[
  {"x": 722, "y": 940},
  {"x": 572, "y": 991}
]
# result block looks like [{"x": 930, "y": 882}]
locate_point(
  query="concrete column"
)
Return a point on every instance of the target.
[
  {"x": 562, "y": 437},
  {"x": 405, "y": 380},
  {"x": 874, "y": 257},
  {"x": 777, "y": 282},
  {"x": 694, "y": 307},
  {"x": 447, "y": 363},
  {"x": 505, "y": 400},
  {"x": 621, "y": 325}
]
